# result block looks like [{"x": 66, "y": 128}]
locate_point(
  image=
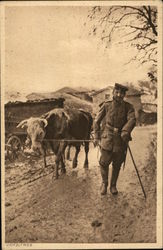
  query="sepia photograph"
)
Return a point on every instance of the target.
[{"x": 81, "y": 124}]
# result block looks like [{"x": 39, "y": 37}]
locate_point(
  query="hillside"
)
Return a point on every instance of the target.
[
  {"x": 70, "y": 101},
  {"x": 73, "y": 90},
  {"x": 82, "y": 89},
  {"x": 66, "y": 90}
]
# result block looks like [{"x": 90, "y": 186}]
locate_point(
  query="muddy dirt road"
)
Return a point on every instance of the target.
[{"x": 71, "y": 209}]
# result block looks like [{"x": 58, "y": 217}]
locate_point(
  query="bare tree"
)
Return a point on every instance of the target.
[{"x": 131, "y": 25}]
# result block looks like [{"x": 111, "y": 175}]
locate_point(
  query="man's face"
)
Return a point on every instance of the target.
[{"x": 118, "y": 95}]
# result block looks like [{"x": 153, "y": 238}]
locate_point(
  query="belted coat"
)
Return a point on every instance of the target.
[{"x": 112, "y": 119}]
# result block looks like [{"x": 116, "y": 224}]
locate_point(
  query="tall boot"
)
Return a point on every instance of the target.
[
  {"x": 104, "y": 175},
  {"x": 115, "y": 174}
]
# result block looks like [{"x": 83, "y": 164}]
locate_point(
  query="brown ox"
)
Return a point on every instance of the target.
[{"x": 60, "y": 128}]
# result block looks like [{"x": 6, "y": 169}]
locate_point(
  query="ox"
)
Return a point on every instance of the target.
[{"x": 60, "y": 128}]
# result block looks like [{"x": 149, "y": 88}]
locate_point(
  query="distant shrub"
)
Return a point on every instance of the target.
[
  {"x": 70, "y": 103},
  {"x": 144, "y": 118},
  {"x": 153, "y": 150}
]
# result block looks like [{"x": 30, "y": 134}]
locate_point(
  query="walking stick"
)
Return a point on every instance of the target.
[
  {"x": 137, "y": 172},
  {"x": 124, "y": 163}
]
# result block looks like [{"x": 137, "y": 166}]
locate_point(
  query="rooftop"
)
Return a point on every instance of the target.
[
  {"x": 35, "y": 101},
  {"x": 130, "y": 92}
]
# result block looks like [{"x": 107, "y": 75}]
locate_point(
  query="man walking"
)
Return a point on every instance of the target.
[{"x": 117, "y": 118}]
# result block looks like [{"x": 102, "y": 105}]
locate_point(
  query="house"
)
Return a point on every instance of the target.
[
  {"x": 100, "y": 96},
  {"x": 133, "y": 96}
]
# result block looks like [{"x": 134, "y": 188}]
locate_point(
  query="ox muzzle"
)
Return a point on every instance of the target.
[{"x": 36, "y": 149}]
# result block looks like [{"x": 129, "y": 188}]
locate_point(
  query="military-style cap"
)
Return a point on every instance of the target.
[{"x": 121, "y": 87}]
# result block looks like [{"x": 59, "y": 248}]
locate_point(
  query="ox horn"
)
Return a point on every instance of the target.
[
  {"x": 45, "y": 122},
  {"x": 66, "y": 115},
  {"x": 22, "y": 124}
]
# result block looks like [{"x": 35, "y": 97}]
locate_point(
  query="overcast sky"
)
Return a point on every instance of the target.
[{"x": 48, "y": 47}]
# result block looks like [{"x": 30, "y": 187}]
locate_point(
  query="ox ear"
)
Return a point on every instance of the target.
[
  {"x": 45, "y": 122},
  {"x": 23, "y": 124}
]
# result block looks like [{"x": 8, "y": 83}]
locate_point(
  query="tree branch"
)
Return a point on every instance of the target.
[
  {"x": 135, "y": 25},
  {"x": 150, "y": 21},
  {"x": 141, "y": 13},
  {"x": 124, "y": 15}
]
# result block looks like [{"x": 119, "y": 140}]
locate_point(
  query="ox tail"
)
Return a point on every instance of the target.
[{"x": 90, "y": 121}]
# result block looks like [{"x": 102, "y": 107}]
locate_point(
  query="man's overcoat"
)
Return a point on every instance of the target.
[{"x": 112, "y": 119}]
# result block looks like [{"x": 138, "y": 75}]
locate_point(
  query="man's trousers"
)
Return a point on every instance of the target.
[{"x": 107, "y": 157}]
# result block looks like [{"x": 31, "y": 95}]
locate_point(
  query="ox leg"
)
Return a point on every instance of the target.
[
  {"x": 63, "y": 168},
  {"x": 62, "y": 158},
  {"x": 44, "y": 155},
  {"x": 55, "y": 150},
  {"x": 45, "y": 164},
  {"x": 59, "y": 159},
  {"x": 55, "y": 173},
  {"x": 75, "y": 160},
  {"x": 86, "y": 148},
  {"x": 68, "y": 153}
]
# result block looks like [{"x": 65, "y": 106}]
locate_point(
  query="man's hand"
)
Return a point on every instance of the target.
[
  {"x": 125, "y": 136},
  {"x": 96, "y": 142}
]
